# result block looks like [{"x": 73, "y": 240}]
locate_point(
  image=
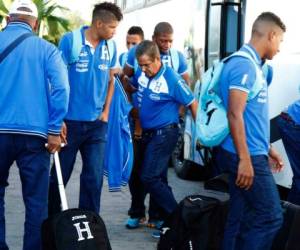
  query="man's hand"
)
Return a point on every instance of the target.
[
  {"x": 54, "y": 143},
  {"x": 104, "y": 117},
  {"x": 63, "y": 133},
  {"x": 275, "y": 161},
  {"x": 245, "y": 174}
]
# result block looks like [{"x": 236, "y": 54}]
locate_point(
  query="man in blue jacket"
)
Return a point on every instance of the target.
[
  {"x": 255, "y": 214},
  {"x": 92, "y": 85},
  {"x": 33, "y": 102},
  {"x": 160, "y": 92}
]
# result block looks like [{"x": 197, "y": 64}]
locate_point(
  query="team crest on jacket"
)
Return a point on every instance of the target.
[{"x": 159, "y": 86}]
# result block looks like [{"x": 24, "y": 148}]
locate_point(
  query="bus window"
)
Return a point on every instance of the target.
[
  {"x": 224, "y": 31},
  {"x": 131, "y": 5},
  {"x": 213, "y": 35}
]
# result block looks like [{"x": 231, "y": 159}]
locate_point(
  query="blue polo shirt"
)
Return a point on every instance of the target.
[
  {"x": 239, "y": 73},
  {"x": 123, "y": 59},
  {"x": 159, "y": 97},
  {"x": 165, "y": 58},
  {"x": 88, "y": 77}
]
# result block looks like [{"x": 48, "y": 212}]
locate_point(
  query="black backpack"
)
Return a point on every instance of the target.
[
  {"x": 75, "y": 229},
  {"x": 197, "y": 223},
  {"x": 287, "y": 237}
]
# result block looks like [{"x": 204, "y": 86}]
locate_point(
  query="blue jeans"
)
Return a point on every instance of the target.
[
  {"x": 33, "y": 162},
  {"x": 89, "y": 138},
  {"x": 158, "y": 146},
  {"x": 290, "y": 135},
  {"x": 255, "y": 215}
]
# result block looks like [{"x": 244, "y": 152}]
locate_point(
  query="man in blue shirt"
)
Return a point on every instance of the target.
[
  {"x": 289, "y": 127},
  {"x": 134, "y": 36},
  {"x": 92, "y": 85},
  {"x": 163, "y": 37},
  {"x": 33, "y": 102},
  {"x": 246, "y": 150},
  {"x": 160, "y": 92}
]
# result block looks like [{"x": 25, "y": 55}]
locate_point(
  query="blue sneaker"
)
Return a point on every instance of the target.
[
  {"x": 155, "y": 224},
  {"x": 133, "y": 223},
  {"x": 156, "y": 234}
]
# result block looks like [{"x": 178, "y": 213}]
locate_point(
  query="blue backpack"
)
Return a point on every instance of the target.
[
  {"x": 211, "y": 121},
  {"x": 77, "y": 46}
]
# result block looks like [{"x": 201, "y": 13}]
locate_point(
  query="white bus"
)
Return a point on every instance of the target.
[{"x": 207, "y": 30}]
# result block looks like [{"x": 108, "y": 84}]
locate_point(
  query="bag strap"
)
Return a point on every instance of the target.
[{"x": 13, "y": 45}]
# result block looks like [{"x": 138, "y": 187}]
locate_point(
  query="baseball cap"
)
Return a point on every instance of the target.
[{"x": 24, "y": 7}]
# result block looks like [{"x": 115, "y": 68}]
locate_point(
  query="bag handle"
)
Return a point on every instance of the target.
[
  {"x": 61, "y": 188},
  {"x": 13, "y": 45}
]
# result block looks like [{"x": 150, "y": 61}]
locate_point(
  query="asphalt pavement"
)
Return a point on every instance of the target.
[{"x": 114, "y": 207}]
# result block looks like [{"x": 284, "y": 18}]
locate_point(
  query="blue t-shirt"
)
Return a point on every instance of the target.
[
  {"x": 240, "y": 73},
  {"x": 165, "y": 58},
  {"x": 88, "y": 77},
  {"x": 159, "y": 97}
]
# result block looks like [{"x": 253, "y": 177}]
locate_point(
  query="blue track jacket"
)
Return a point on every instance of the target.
[
  {"x": 34, "y": 85},
  {"x": 119, "y": 150}
]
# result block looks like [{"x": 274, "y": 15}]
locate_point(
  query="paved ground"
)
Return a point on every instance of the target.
[{"x": 113, "y": 210}]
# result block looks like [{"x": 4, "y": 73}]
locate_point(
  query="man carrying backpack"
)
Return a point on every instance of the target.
[
  {"x": 91, "y": 64},
  {"x": 255, "y": 213}
]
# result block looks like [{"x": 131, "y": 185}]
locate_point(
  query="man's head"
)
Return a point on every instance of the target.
[
  {"x": 163, "y": 36},
  {"x": 135, "y": 35},
  {"x": 148, "y": 57},
  {"x": 24, "y": 11},
  {"x": 267, "y": 34},
  {"x": 106, "y": 17}
]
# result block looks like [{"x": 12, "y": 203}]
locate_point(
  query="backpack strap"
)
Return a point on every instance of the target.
[
  {"x": 13, "y": 45},
  {"x": 174, "y": 59},
  {"x": 77, "y": 43}
]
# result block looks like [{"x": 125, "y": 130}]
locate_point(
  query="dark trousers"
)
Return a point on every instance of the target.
[
  {"x": 33, "y": 162},
  {"x": 255, "y": 215},
  {"x": 137, "y": 190},
  {"x": 157, "y": 147},
  {"x": 290, "y": 134},
  {"x": 89, "y": 138}
]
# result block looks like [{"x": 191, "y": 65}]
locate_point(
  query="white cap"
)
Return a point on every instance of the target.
[{"x": 23, "y": 7}]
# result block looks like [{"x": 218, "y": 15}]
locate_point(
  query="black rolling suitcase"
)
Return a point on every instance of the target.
[
  {"x": 73, "y": 229},
  {"x": 288, "y": 237}
]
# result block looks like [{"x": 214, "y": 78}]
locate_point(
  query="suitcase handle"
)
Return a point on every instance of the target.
[{"x": 61, "y": 188}]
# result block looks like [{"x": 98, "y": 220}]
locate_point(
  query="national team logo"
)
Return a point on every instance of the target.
[
  {"x": 159, "y": 86},
  {"x": 83, "y": 231}
]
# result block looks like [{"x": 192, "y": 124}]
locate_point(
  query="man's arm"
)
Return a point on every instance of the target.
[
  {"x": 236, "y": 107},
  {"x": 193, "y": 107},
  {"x": 186, "y": 78},
  {"x": 57, "y": 74}
]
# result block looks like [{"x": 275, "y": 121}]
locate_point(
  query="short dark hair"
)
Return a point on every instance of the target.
[
  {"x": 268, "y": 17},
  {"x": 148, "y": 48},
  {"x": 136, "y": 30},
  {"x": 163, "y": 28},
  {"x": 107, "y": 12}
]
